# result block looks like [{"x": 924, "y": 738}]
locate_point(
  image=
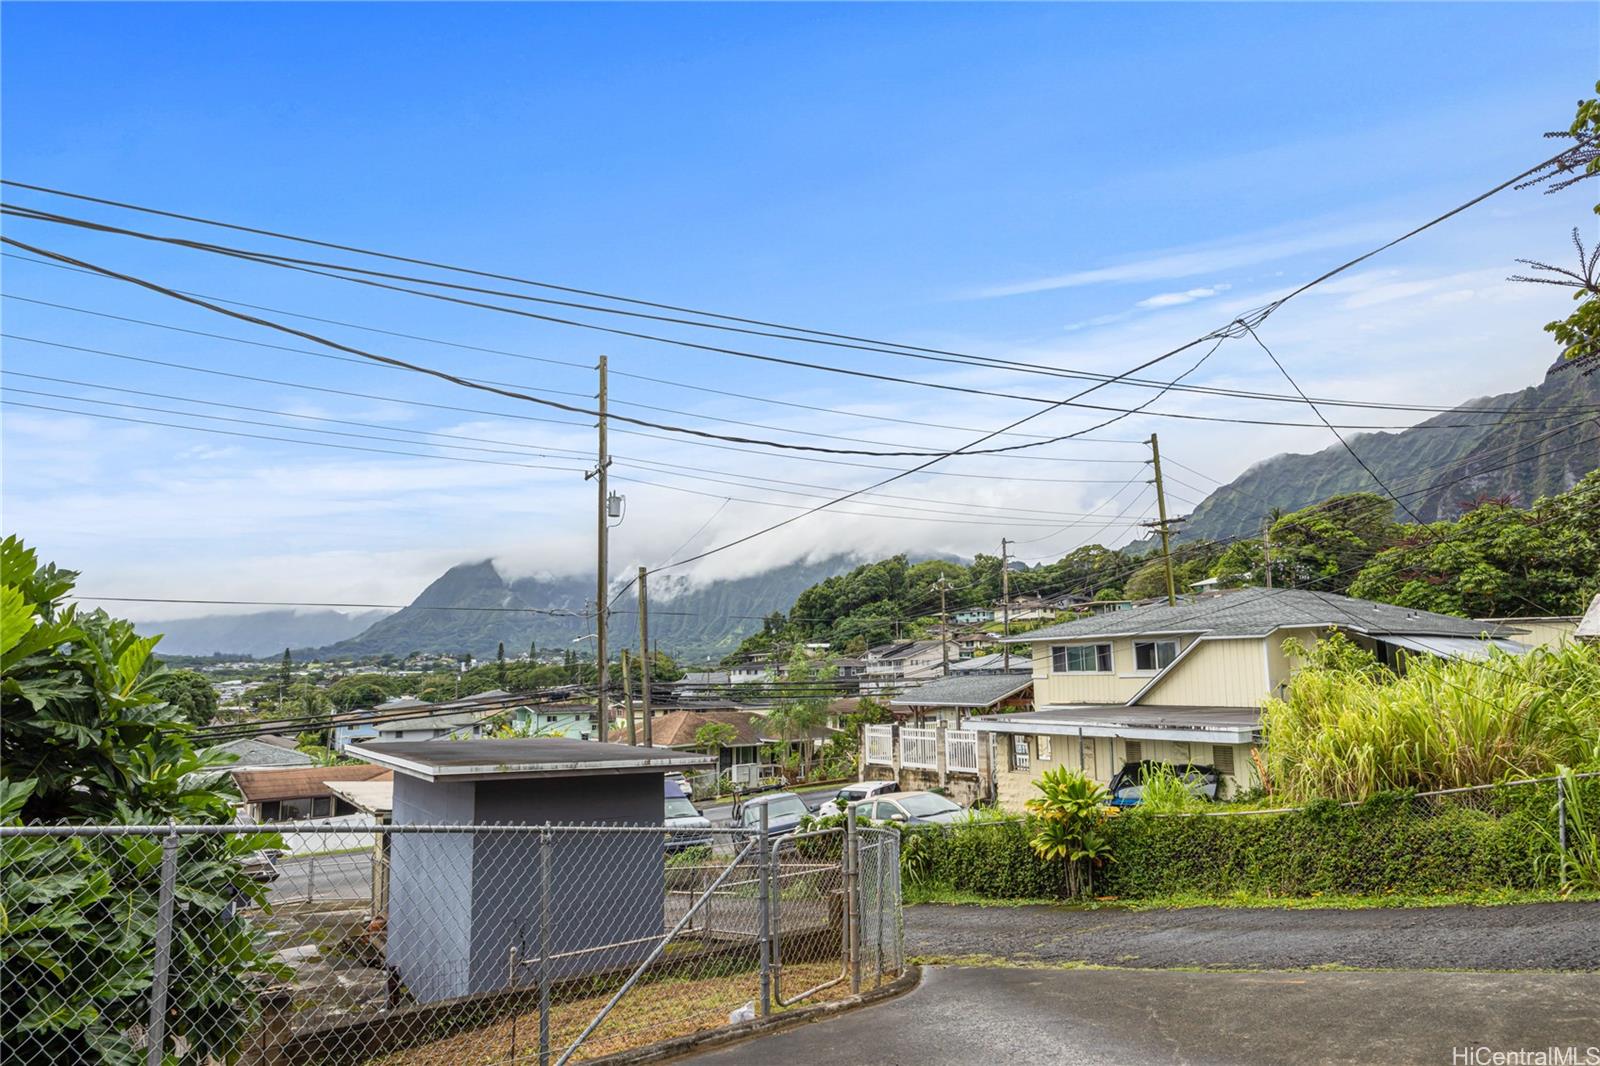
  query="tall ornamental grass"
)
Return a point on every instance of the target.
[{"x": 1348, "y": 730}]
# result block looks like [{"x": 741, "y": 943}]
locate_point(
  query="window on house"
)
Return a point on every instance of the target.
[
  {"x": 1132, "y": 751},
  {"x": 1222, "y": 758},
  {"x": 1080, "y": 659},
  {"x": 1154, "y": 654},
  {"x": 1043, "y": 744},
  {"x": 1019, "y": 752}
]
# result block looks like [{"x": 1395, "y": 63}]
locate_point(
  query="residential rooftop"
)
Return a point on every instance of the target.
[
  {"x": 981, "y": 689},
  {"x": 1257, "y": 612},
  {"x": 479, "y": 760}
]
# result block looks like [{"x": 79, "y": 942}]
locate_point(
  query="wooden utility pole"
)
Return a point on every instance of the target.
[
  {"x": 1005, "y": 597},
  {"x": 1266, "y": 548},
  {"x": 627, "y": 696},
  {"x": 644, "y": 657},
  {"x": 944, "y": 626},
  {"x": 1163, "y": 526},
  {"x": 602, "y": 546}
]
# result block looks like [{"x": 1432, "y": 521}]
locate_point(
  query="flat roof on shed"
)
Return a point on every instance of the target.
[{"x": 484, "y": 760}]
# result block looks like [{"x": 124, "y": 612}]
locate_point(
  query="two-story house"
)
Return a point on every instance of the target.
[
  {"x": 1185, "y": 684},
  {"x": 891, "y": 668}
]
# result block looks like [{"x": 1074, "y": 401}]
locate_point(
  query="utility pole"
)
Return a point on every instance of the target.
[
  {"x": 1005, "y": 597},
  {"x": 627, "y": 696},
  {"x": 1266, "y": 548},
  {"x": 944, "y": 626},
  {"x": 1163, "y": 526},
  {"x": 644, "y": 657},
  {"x": 602, "y": 546}
]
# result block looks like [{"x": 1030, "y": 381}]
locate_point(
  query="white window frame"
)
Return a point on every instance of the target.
[
  {"x": 1105, "y": 664},
  {"x": 1155, "y": 652},
  {"x": 1042, "y": 742},
  {"x": 1019, "y": 751}
]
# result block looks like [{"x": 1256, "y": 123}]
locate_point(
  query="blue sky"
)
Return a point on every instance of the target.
[{"x": 1077, "y": 186}]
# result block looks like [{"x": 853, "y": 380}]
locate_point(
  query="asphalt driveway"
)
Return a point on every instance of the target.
[
  {"x": 1021, "y": 1016},
  {"x": 1539, "y": 936}
]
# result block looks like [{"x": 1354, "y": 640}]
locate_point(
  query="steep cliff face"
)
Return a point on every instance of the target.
[{"x": 1550, "y": 439}]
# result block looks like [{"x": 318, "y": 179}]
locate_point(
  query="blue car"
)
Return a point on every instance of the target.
[{"x": 1127, "y": 788}]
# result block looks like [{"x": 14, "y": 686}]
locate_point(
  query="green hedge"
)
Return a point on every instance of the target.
[{"x": 1393, "y": 843}]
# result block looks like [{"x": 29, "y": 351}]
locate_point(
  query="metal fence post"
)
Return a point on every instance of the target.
[
  {"x": 878, "y": 852},
  {"x": 157, "y": 1030},
  {"x": 852, "y": 897},
  {"x": 763, "y": 928},
  {"x": 544, "y": 946},
  {"x": 1561, "y": 823},
  {"x": 311, "y": 878}
]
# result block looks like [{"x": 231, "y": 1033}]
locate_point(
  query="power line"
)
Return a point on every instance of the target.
[
  {"x": 505, "y": 415},
  {"x": 844, "y": 413},
  {"x": 791, "y": 333}
]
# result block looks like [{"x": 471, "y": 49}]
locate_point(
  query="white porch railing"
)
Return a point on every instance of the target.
[
  {"x": 919, "y": 748},
  {"x": 880, "y": 745},
  {"x": 961, "y": 751}
]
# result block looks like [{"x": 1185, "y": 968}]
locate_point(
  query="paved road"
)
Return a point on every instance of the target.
[
  {"x": 325, "y": 877},
  {"x": 1024, "y": 1016},
  {"x": 1540, "y": 936},
  {"x": 722, "y": 813}
]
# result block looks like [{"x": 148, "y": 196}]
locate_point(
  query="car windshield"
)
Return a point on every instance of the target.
[
  {"x": 778, "y": 807},
  {"x": 924, "y": 806},
  {"x": 850, "y": 795},
  {"x": 678, "y": 807}
]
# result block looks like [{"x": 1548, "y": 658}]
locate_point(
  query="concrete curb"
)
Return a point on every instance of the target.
[{"x": 676, "y": 1048}]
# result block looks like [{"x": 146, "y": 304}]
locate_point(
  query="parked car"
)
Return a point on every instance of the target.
[
  {"x": 912, "y": 808},
  {"x": 1127, "y": 788},
  {"x": 850, "y": 795},
  {"x": 683, "y": 819},
  {"x": 784, "y": 812}
]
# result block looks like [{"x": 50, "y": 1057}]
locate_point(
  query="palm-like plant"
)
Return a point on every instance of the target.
[{"x": 1070, "y": 810}]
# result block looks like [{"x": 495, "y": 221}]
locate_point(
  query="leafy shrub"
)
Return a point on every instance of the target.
[
  {"x": 1348, "y": 732},
  {"x": 85, "y": 721}
]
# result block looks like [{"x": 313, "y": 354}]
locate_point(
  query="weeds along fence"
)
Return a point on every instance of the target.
[
  {"x": 431, "y": 945},
  {"x": 1523, "y": 835}
]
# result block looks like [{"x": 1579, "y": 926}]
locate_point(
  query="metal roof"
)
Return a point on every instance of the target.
[
  {"x": 1217, "y": 725},
  {"x": 481, "y": 760},
  {"x": 965, "y": 690},
  {"x": 1257, "y": 612},
  {"x": 1456, "y": 647}
]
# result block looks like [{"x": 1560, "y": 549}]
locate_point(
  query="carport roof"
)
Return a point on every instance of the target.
[
  {"x": 1217, "y": 725},
  {"x": 484, "y": 760},
  {"x": 969, "y": 690}
]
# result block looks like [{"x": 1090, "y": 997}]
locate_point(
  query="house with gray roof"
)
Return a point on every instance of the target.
[
  {"x": 1185, "y": 683},
  {"x": 951, "y": 700}
]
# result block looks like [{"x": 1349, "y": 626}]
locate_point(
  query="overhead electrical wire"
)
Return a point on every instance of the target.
[{"x": 790, "y": 333}]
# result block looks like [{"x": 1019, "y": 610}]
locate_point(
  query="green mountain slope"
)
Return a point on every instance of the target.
[
  {"x": 1537, "y": 451},
  {"x": 690, "y": 622}
]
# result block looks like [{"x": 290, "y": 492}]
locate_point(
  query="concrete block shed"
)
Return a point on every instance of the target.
[{"x": 460, "y": 902}]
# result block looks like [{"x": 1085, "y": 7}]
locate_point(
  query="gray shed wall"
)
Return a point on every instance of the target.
[
  {"x": 430, "y": 888},
  {"x": 459, "y": 903}
]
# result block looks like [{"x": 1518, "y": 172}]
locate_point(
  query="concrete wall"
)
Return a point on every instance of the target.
[{"x": 459, "y": 903}]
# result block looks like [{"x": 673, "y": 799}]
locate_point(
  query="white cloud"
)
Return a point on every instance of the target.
[{"x": 1188, "y": 296}]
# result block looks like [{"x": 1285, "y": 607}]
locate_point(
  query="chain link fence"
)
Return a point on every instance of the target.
[{"x": 441, "y": 945}]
